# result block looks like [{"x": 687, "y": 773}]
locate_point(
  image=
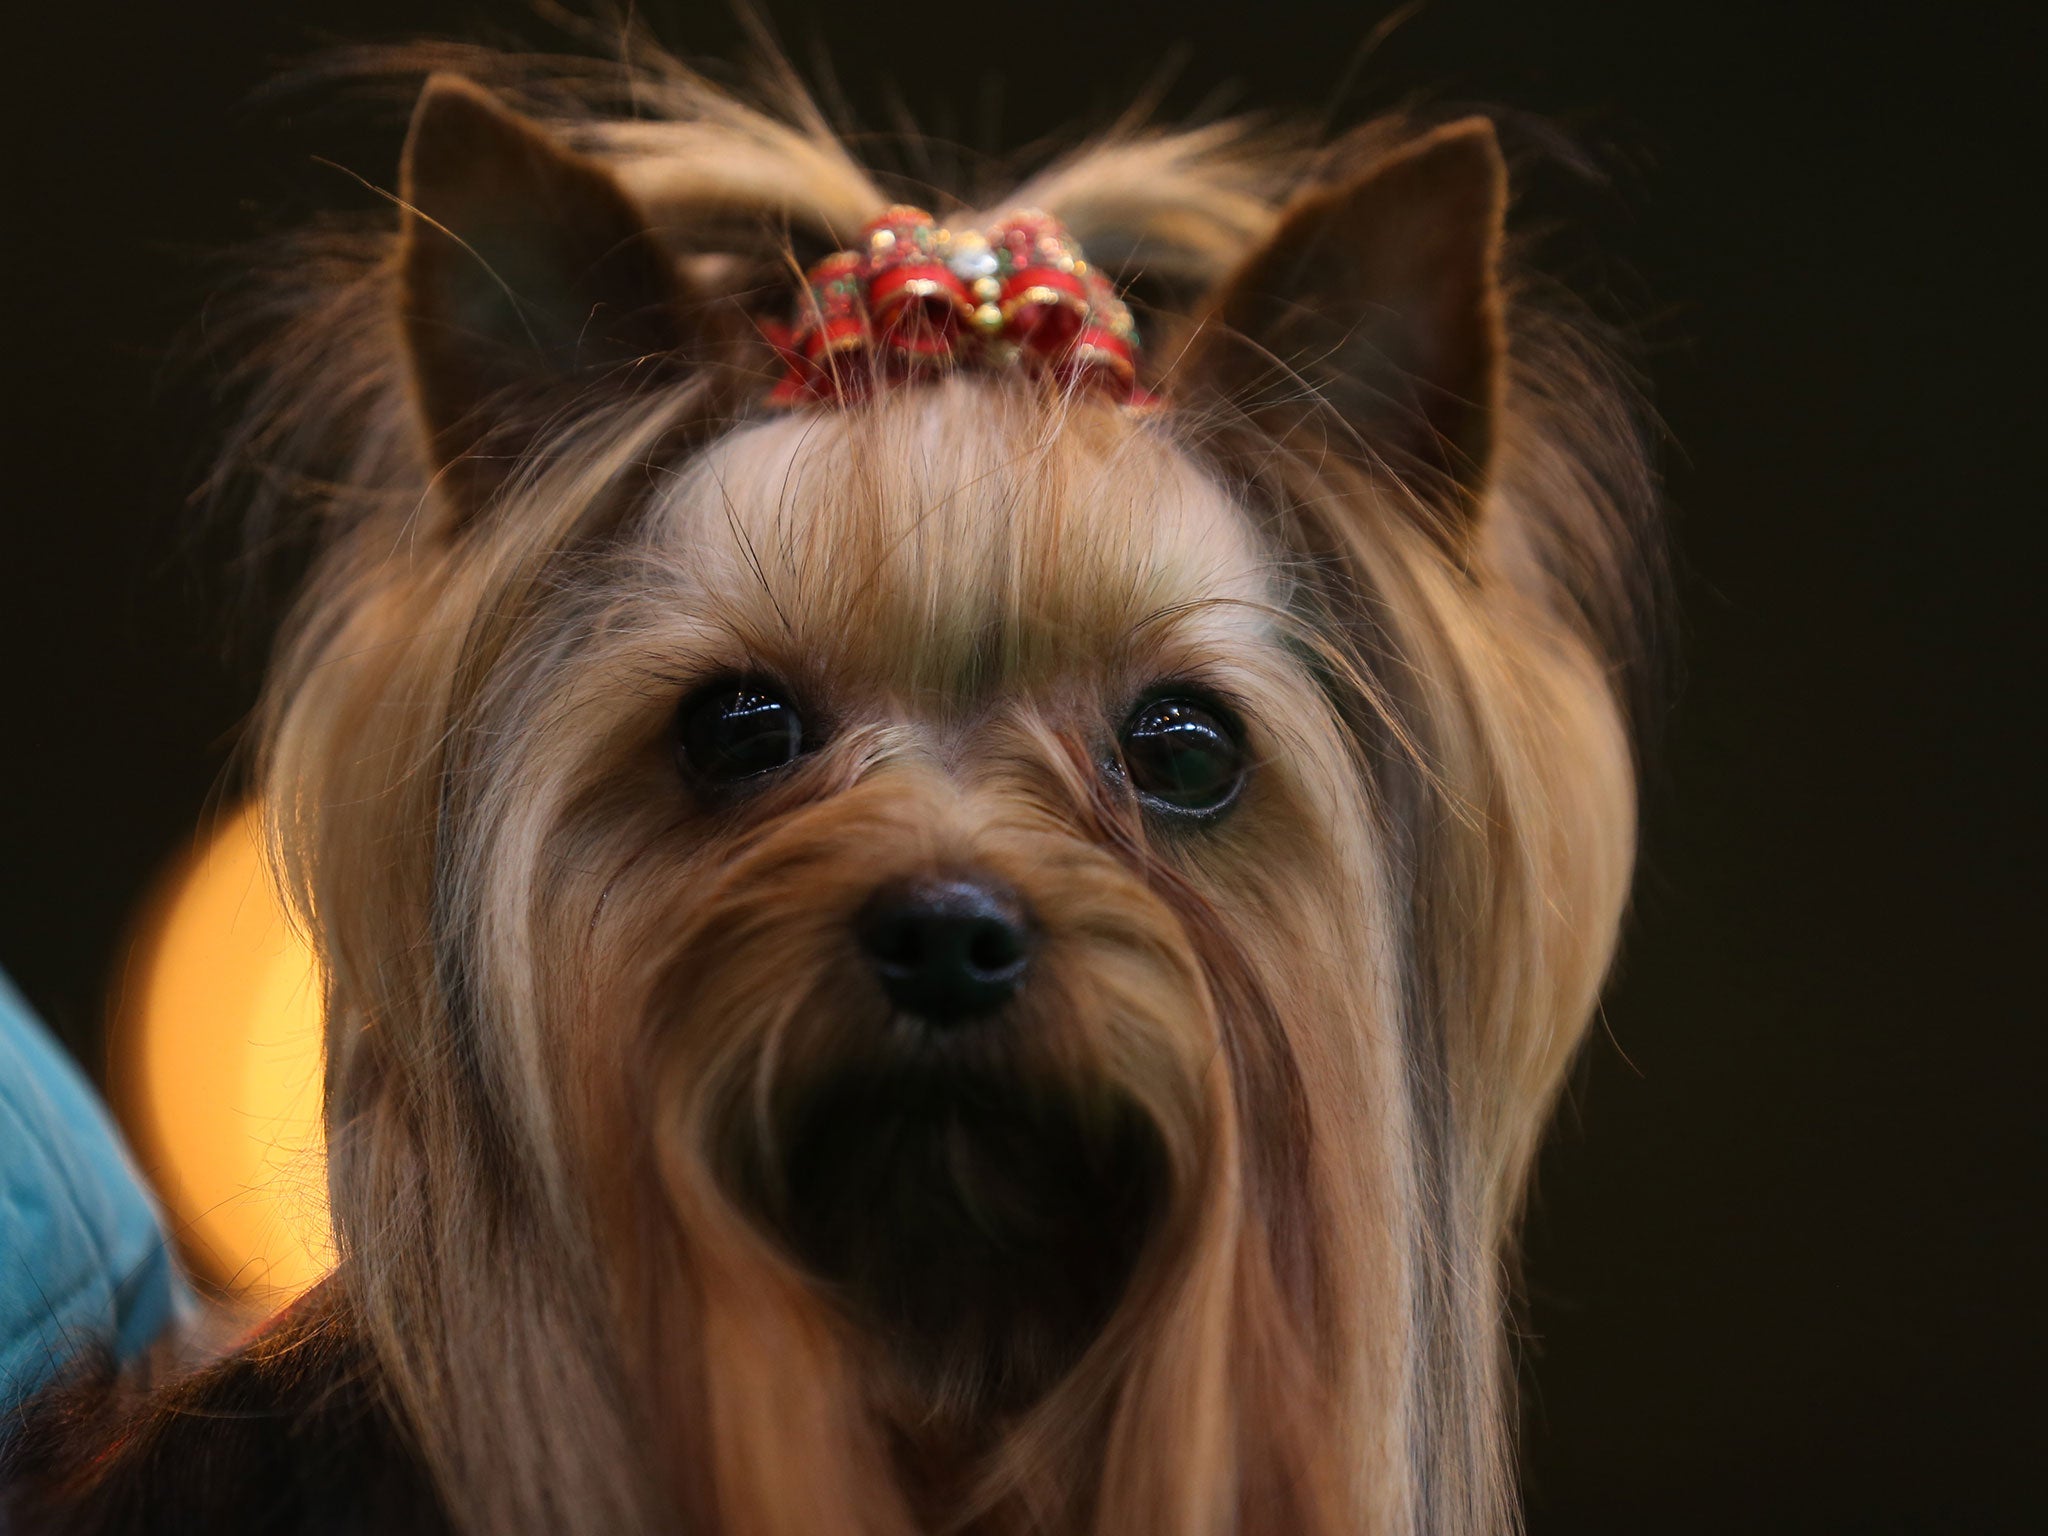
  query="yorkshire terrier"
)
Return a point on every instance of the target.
[{"x": 957, "y": 855}]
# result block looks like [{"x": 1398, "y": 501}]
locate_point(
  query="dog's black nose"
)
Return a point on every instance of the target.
[{"x": 947, "y": 949}]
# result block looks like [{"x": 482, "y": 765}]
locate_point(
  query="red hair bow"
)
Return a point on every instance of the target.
[{"x": 913, "y": 299}]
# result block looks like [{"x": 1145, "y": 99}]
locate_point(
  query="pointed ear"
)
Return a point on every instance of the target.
[
  {"x": 1378, "y": 300},
  {"x": 526, "y": 275}
]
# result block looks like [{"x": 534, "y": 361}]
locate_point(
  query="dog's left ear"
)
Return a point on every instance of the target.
[
  {"x": 1376, "y": 304},
  {"x": 527, "y": 277}
]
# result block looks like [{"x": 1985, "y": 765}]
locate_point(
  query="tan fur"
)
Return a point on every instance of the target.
[{"x": 565, "y": 999}]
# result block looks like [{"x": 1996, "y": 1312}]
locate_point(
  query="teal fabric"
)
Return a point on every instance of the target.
[{"x": 83, "y": 1258}]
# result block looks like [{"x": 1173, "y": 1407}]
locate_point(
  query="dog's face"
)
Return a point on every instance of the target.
[
  {"x": 936, "y": 846},
  {"x": 1019, "y": 944}
]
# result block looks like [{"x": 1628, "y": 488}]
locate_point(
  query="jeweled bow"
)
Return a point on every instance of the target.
[{"x": 914, "y": 298}]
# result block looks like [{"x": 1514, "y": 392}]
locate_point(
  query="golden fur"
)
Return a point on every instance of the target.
[{"x": 572, "y": 1011}]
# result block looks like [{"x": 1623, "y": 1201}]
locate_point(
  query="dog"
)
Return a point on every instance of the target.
[{"x": 957, "y": 855}]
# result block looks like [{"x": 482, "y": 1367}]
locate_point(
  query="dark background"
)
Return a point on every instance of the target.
[{"x": 1782, "y": 1261}]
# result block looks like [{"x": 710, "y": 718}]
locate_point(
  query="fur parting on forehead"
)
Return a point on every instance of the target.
[{"x": 962, "y": 533}]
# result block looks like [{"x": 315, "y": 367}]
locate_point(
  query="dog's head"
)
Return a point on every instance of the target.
[{"x": 978, "y": 955}]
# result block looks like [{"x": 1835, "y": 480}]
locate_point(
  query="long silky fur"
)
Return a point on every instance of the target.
[{"x": 561, "y": 1007}]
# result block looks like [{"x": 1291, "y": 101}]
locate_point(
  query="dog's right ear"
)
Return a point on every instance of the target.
[{"x": 528, "y": 280}]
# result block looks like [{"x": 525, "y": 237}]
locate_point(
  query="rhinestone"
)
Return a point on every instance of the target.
[{"x": 971, "y": 263}]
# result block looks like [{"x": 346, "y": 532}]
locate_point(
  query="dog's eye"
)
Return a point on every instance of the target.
[
  {"x": 737, "y": 730},
  {"x": 1183, "y": 756}
]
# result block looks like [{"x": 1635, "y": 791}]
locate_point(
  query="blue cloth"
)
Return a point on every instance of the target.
[{"x": 83, "y": 1260}]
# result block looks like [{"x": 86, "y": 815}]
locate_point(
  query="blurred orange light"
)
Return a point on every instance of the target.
[{"x": 217, "y": 1067}]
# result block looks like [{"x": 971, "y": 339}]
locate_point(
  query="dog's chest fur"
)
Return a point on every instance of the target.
[{"x": 290, "y": 1436}]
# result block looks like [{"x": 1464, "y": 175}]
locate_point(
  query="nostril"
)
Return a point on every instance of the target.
[
  {"x": 893, "y": 940},
  {"x": 993, "y": 948},
  {"x": 946, "y": 949}
]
